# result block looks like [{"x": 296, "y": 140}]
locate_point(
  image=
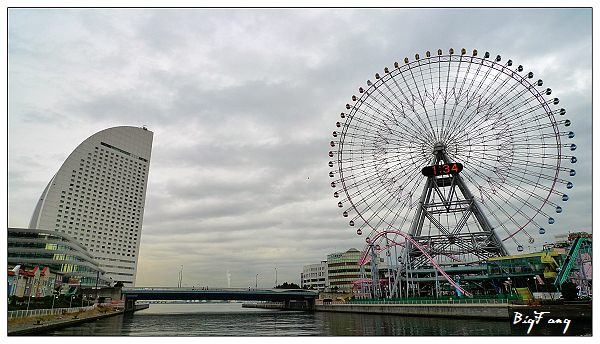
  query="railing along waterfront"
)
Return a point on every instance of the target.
[
  {"x": 46, "y": 311},
  {"x": 500, "y": 298}
]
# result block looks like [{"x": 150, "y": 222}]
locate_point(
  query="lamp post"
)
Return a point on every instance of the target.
[
  {"x": 54, "y": 297},
  {"x": 180, "y": 277},
  {"x": 29, "y": 299},
  {"x": 256, "y": 282},
  {"x": 97, "y": 278},
  {"x": 275, "y": 277}
]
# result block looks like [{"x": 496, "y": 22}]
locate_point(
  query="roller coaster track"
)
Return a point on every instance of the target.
[
  {"x": 568, "y": 263},
  {"x": 407, "y": 237}
]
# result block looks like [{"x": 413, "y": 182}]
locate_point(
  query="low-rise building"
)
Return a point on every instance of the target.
[
  {"x": 340, "y": 272},
  {"x": 35, "y": 282},
  {"x": 343, "y": 269},
  {"x": 314, "y": 276},
  {"x": 45, "y": 251}
]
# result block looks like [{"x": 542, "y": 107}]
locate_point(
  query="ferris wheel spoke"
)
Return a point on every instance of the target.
[
  {"x": 511, "y": 189},
  {"x": 472, "y": 97},
  {"x": 486, "y": 87},
  {"x": 524, "y": 217},
  {"x": 500, "y": 188},
  {"x": 467, "y": 97},
  {"x": 382, "y": 212},
  {"x": 488, "y": 197},
  {"x": 364, "y": 188},
  {"x": 401, "y": 115},
  {"x": 496, "y": 123},
  {"x": 536, "y": 164},
  {"x": 418, "y": 97},
  {"x": 389, "y": 121},
  {"x": 436, "y": 93},
  {"x": 507, "y": 96},
  {"x": 523, "y": 153},
  {"x": 532, "y": 194},
  {"x": 515, "y": 172},
  {"x": 510, "y": 104},
  {"x": 489, "y": 200},
  {"x": 504, "y": 122},
  {"x": 484, "y": 112},
  {"x": 525, "y": 108},
  {"x": 456, "y": 94}
]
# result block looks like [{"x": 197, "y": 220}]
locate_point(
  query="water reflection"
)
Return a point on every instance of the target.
[
  {"x": 233, "y": 320},
  {"x": 352, "y": 324}
]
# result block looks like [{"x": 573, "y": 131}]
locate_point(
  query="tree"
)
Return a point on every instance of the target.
[
  {"x": 119, "y": 284},
  {"x": 287, "y": 285}
]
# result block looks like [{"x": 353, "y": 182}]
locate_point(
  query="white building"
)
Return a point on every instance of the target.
[
  {"x": 98, "y": 197},
  {"x": 315, "y": 276}
]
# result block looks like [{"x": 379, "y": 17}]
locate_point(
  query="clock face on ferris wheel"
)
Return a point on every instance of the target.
[
  {"x": 437, "y": 170},
  {"x": 500, "y": 130}
]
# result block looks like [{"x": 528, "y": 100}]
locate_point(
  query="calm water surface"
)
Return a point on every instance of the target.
[{"x": 230, "y": 319}]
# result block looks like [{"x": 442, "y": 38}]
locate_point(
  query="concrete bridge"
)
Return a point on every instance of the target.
[{"x": 131, "y": 295}]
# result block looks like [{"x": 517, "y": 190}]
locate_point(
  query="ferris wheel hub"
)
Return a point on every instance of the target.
[{"x": 439, "y": 147}]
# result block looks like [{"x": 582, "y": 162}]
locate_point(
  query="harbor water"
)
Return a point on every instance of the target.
[{"x": 231, "y": 319}]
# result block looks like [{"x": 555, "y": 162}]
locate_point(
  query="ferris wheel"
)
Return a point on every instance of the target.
[{"x": 463, "y": 154}]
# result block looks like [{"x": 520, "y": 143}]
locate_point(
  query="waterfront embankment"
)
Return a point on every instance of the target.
[
  {"x": 36, "y": 327},
  {"x": 493, "y": 311}
]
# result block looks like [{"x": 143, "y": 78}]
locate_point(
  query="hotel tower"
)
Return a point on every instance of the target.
[{"x": 98, "y": 197}]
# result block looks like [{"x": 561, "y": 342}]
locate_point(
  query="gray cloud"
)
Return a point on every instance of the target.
[{"x": 242, "y": 103}]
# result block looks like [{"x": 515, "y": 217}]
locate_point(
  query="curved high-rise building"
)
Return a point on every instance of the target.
[{"x": 98, "y": 197}]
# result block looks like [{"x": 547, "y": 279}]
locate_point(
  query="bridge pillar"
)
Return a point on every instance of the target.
[{"x": 129, "y": 305}]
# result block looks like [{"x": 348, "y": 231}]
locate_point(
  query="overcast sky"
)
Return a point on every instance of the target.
[{"x": 242, "y": 103}]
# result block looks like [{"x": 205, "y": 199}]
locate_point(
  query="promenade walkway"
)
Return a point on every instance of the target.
[{"x": 24, "y": 329}]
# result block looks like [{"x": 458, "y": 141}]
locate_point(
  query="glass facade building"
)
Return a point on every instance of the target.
[
  {"x": 98, "y": 197},
  {"x": 343, "y": 269},
  {"x": 62, "y": 254}
]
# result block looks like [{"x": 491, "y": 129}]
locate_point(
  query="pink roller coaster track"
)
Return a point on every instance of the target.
[{"x": 364, "y": 260}]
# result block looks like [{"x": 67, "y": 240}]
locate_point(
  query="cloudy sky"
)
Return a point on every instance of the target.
[{"x": 242, "y": 103}]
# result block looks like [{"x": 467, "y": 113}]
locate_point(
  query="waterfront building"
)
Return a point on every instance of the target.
[
  {"x": 314, "y": 276},
  {"x": 98, "y": 197},
  {"x": 343, "y": 269},
  {"x": 39, "y": 260},
  {"x": 33, "y": 282}
]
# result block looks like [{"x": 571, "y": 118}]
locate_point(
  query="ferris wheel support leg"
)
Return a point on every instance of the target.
[
  {"x": 416, "y": 224},
  {"x": 476, "y": 210},
  {"x": 397, "y": 289},
  {"x": 418, "y": 218}
]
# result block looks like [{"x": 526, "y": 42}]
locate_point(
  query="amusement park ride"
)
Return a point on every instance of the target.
[{"x": 444, "y": 162}]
